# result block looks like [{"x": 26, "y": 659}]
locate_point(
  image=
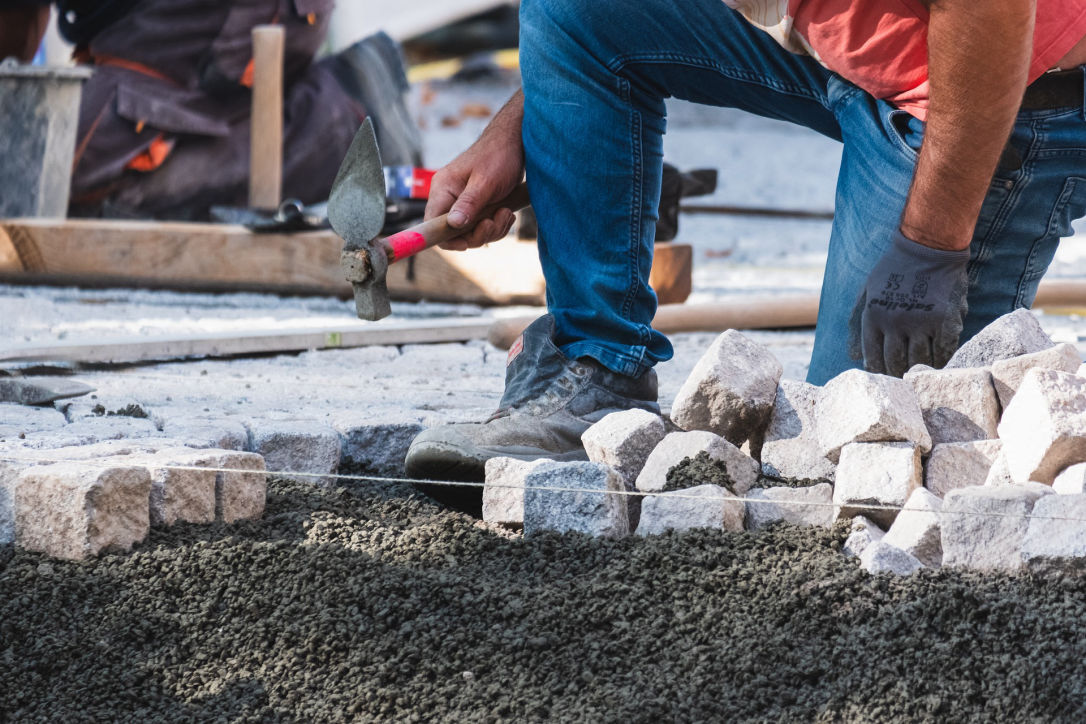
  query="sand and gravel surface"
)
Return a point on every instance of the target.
[{"x": 373, "y": 603}]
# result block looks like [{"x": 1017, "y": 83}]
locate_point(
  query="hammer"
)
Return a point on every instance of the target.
[{"x": 356, "y": 210}]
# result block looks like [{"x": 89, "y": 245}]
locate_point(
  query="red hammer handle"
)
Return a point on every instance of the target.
[{"x": 437, "y": 230}]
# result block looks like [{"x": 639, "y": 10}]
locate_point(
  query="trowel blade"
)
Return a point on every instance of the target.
[
  {"x": 40, "y": 390},
  {"x": 356, "y": 207}
]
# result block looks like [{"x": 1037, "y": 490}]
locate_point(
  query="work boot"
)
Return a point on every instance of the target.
[
  {"x": 372, "y": 72},
  {"x": 549, "y": 402}
]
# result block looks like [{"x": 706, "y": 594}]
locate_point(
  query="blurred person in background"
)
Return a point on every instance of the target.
[{"x": 164, "y": 121}]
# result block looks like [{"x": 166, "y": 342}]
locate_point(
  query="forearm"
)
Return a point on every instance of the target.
[
  {"x": 978, "y": 62},
  {"x": 507, "y": 121},
  {"x": 485, "y": 173}
]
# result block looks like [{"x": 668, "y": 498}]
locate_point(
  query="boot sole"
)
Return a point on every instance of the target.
[{"x": 442, "y": 461}]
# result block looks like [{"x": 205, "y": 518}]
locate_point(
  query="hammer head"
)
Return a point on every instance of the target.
[
  {"x": 366, "y": 270},
  {"x": 356, "y": 210}
]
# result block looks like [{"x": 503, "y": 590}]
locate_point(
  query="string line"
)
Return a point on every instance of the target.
[{"x": 672, "y": 495}]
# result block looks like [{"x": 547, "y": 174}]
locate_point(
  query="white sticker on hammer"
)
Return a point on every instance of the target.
[{"x": 515, "y": 350}]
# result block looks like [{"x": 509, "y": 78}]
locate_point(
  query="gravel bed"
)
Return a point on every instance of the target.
[
  {"x": 703, "y": 470},
  {"x": 377, "y": 604}
]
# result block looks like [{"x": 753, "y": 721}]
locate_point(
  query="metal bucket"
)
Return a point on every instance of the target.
[{"x": 39, "y": 112}]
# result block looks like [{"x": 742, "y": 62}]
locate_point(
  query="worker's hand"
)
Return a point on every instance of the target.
[
  {"x": 484, "y": 174},
  {"x": 912, "y": 309}
]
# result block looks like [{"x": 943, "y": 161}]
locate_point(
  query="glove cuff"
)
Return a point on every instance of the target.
[{"x": 916, "y": 250}]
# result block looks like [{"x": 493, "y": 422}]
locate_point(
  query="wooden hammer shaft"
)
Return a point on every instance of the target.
[
  {"x": 266, "y": 149},
  {"x": 437, "y": 230}
]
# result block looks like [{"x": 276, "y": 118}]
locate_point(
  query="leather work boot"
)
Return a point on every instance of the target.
[
  {"x": 372, "y": 72},
  {"x": 549, "y": 402}
]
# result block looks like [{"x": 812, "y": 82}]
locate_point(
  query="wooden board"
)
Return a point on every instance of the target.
[
  {"x": 140, "y": 349},
  {"x": 505, "y": 272},
  {"x": 166, "y": 254},
  {"x": 1055, "y": 296},
  {"x": 672, "y": 275},
  {"x": 221, "y": 257},
  {"x": 747, "y": 313}
]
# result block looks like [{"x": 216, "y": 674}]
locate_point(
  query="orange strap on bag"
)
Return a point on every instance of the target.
[{"x": 153, "y": 157}]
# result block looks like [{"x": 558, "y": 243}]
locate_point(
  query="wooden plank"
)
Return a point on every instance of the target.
[
  {"x": 211, "y": 257},
  {"x": 506, "y": 272},
  {"x": 780, "y": 312},
  {"x": 122, "y": 350},
  {"x": 9, "y": 258},
  {"x": 220, "y": 257},
  {"x": 672, "y": 275},
  {"x": 747, "y": 313}
]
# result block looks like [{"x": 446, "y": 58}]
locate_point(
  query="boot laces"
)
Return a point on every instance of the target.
[{"x": 560, "y": 388}]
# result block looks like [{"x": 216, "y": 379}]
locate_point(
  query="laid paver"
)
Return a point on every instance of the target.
[
  {"x": 550, "y": 505},
  {"x": 790, "y": 447},
  {"x": 1056, "y": 536},
  {"x": 1007, "y": 374},
  {"x": 307, "y": 448},
  {"x": 883, "y": 557},
  {"x": 74, "y": 510},
  {"x": 983, "y": 528},
  {"x": 1044, "y": 428},
  {"x": 862, "y": 533},
  {"x": 873, "y": 474},
  {"x": 624, "y": 440},
  {"x": 1071, "y": 480},
  {"x": 916, "y": 529},
  {"x": 955, "y": 465},
  {"x": 677, "y": 446},
  {"x": 858, "y": 406},
  {"x": 703, "y": 506},
  {"x": 503, "y": 491},
  {"x": 730, "y": 391},
  {"x": 958, "y": 405},
  {"x": 811, "y": 505}
]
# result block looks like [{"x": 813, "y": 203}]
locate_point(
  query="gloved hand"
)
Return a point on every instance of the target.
[{"x": 912, "y": 308}]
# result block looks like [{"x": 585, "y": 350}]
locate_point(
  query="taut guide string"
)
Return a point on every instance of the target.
[{"x": 674, "y": 495}]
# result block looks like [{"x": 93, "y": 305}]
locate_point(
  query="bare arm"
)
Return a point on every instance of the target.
[
  {"x": 978, "y": 58},
  {"x": 481, "y": 175}
]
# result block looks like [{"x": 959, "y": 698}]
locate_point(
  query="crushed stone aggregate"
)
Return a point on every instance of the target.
[
  {"x": 701, "y": 469},
  {"x": 352, "y": 603}
]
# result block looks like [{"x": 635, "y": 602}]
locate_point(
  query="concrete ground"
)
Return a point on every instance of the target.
[{"x": 376, "y": 398}]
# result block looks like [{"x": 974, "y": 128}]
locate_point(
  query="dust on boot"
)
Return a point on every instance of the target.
[{"x": 549, "y": 402}]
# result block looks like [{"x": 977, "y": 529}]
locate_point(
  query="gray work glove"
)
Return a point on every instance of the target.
[{"x": 912, "y": 308}]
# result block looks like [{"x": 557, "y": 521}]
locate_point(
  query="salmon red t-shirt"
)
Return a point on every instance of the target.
[{"x": 881, "y": 45}]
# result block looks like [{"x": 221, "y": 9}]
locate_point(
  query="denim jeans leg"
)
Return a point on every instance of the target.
[
  {"x": 595, "y": 79},
  {"x": 1030, "y": 204},
  {"x": 873, "y": 182}
]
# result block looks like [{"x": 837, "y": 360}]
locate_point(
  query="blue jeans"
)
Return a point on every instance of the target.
[{"x": 595, "y": 78}]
